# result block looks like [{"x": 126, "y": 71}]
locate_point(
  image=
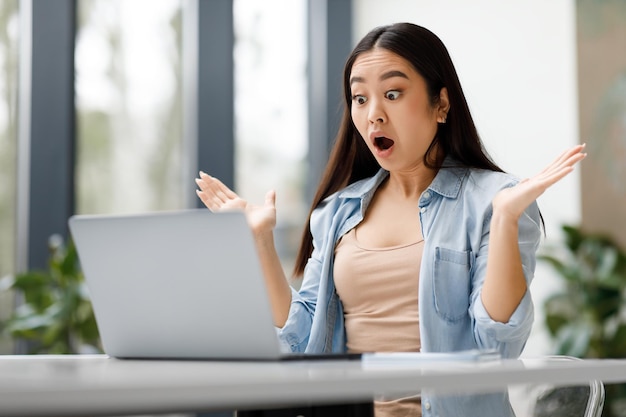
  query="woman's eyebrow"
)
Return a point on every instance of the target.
[
  {"x": 357, "y": 80},
  {"x": 393, "y": 73},
  {"x": 385, "y": 76}
]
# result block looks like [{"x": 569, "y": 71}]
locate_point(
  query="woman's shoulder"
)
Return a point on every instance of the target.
[
  {"x": 355, "y": 190},
  {"x": 482, "y": 185},
  {"x": 458, "y": 181},
  {"x": 349, "y": 196},
  {"x": 484, "y": 179},
  {"x": 475, "y": 187}
]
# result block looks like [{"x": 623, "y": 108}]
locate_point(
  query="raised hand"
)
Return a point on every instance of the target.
[
  {"x": 513, "y": 201},
  {"x": 218, "y": 197},
  {"x": 262, "y": 220}
]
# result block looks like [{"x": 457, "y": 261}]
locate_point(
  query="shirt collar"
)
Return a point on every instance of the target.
[
  {"x": 447, "y": 182},
  {"x": 449, "y": 179},
  {"x": 365, "y": 186}
]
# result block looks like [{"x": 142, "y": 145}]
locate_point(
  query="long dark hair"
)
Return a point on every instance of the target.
[{"x": 350, "y": 159}]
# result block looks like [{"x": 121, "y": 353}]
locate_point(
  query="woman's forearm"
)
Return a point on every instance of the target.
[
  {"x": 278, "y": 288},
  {"x": 505, "y": 284}
]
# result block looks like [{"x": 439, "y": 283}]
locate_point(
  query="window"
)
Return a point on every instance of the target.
[
  {"x": 129, "y": 106},
  {"x": 9, "y": 29},
  {"x": 271, "y": 111}
]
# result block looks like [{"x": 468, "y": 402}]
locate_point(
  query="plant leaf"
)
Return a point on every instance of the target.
[
  {"x": 617, "y": 346},
  {"x": 574, "y": 339}
]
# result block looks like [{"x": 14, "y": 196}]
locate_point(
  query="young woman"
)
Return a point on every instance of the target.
[{"x": 416, "y": 239}]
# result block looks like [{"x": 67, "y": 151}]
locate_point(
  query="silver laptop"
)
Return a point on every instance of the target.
[{"x": 184, "y": 284}]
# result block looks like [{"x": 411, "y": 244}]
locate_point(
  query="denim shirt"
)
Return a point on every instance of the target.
[{"x": 455, "y": 213}]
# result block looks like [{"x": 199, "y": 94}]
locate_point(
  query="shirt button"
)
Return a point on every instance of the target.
[
  {"x": 423, "y": 210},
  {"x": 427, "y": 406},
  {"x": 426, "y": 194}
]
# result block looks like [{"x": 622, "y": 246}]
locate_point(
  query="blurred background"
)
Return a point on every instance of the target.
[{"x": 112, "y": 106}]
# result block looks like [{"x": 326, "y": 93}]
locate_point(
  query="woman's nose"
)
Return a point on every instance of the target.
[{"x": 376, "y": 113}]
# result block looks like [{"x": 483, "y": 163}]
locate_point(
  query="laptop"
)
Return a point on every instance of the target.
[{"x": 177, "y": 285}]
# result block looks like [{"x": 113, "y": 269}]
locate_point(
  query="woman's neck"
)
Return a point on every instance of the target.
[{"x": 409, "y": 185}]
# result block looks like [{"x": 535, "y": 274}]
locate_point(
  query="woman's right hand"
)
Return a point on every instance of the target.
[
  {"x": 262, "y": 220},
  {"x": 218, "y": 197}
]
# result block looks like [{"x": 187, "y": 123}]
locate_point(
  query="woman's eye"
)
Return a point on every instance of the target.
[
  {"x": 359, "y": 99},
  {"x": 392, "y": 95}
]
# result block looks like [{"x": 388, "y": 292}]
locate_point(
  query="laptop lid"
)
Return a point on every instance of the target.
[{"x": 184, "y": 284}]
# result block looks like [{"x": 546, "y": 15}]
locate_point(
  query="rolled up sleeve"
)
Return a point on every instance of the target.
[
  {"x": 296, "y": 332},
  {"x": 510, "y": 337}
]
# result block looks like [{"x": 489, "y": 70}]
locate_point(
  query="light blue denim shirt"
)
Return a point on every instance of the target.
[{"x": 455, "y": 213}]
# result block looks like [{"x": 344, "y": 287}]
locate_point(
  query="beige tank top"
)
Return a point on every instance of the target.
[{"x": 378, "y": 288}]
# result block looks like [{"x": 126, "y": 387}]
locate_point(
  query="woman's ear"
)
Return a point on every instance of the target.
[{"x": 443, "y": 106}]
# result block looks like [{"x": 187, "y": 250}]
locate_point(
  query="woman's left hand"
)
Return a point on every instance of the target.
[{"x": 512, "y": 201}]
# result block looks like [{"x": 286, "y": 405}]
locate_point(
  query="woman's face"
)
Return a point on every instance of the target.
[{"x": 391, "y": 109}]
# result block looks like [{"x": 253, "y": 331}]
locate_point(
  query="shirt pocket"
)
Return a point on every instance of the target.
[{"x": 451, "y": 283}]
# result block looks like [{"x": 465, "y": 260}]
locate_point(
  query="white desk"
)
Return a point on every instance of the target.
[{"x": 97, "y": 385}]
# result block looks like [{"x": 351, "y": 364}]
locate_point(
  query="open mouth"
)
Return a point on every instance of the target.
[{"x": 383, "y": 143}]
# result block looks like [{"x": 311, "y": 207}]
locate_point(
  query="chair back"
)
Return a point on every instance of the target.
[{"x": 547, "y": 400}]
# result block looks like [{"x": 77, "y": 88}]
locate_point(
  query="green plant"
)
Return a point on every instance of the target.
[
  {"x": 55, "y": 315},
  {"x": 587, "y": 318}
]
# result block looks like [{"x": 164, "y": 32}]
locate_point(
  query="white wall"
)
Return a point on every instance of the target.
[{"x": 517, "y": 64}]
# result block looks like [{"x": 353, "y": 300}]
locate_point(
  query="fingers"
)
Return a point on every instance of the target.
[
  {"x": 270, "y": 198},
  {"x": 556, "y": 175},
  {"x": 208, "y": 200},
  {"x": 570, "y": 156},
  {"x": 514, "y": 200},
  {"x": 561, "y": 166},
  {"x": 217, "y": 186},
  {"x": 213, "y": 193}
]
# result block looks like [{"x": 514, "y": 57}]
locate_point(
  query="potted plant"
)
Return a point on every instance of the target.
[
  {"x": 587, "y": 318},
  {"x": 55, "y": 314}
]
